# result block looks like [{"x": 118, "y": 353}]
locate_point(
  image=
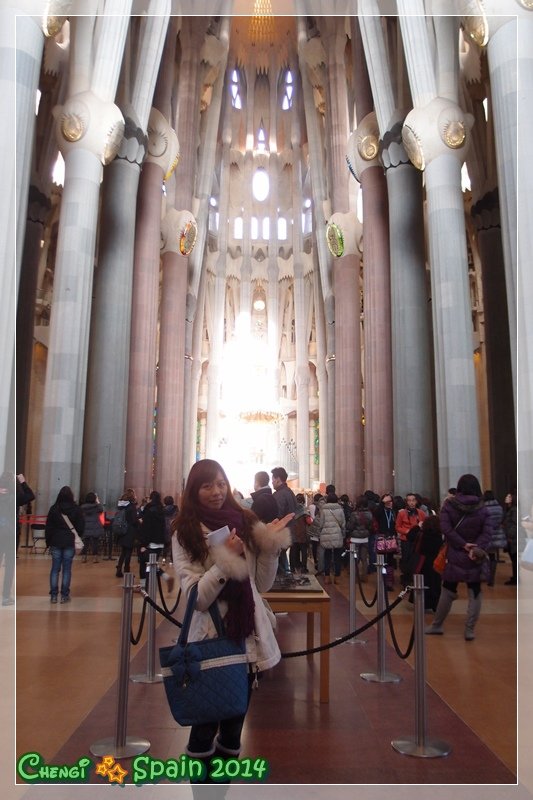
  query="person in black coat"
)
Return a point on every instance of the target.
[
  {"x": 60, "y": 540},
  {"x": 127, "y": 540},
  {"x": 263, "y": 501},
  {"x": 424, "y": 542},
  {"x": 152, "y": 532}
]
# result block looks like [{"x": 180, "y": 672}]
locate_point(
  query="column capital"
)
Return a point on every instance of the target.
[
  {"x": 179, "y": 230},
  {"x": 163, "y": 144},
  {"x": 490, "y": 17},
  {"x": 86, "y": 122},
  {"x": 438, "y": 128},
  {"x": 363, "y": 145}
]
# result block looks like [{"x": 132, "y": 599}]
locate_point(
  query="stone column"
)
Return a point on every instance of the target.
[
  {"x": 410, "y": 317},
  {"x": 38, "y": 209},
  {"x": 104, "y": 446},
  {"x": 436, "y": 135},
  {"x": 348, "y": 402},
  {"x": 309, "y": 57},
  {"x": 89, "y": 129},
  {"x": 501, "y": 429},
  {"x": 163, "y": 150},
  {"x": 170, "y": 400}
]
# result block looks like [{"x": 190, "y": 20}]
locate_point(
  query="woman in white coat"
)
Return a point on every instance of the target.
[{"x": 232, "y": 573}]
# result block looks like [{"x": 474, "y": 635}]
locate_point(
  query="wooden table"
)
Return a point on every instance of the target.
[{"x": 310, "y": 603}]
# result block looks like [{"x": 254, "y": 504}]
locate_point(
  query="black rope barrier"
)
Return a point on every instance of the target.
[
  {"x": 390, "y": 607},
  {"x": 161, "y": 595},
  {"x": 410, "y": 646},
  {"x": 136, "y": 639},
  {"x": 367, "y": 603}
]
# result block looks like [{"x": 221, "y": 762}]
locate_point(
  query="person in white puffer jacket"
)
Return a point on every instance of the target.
[
  {"x": 231, "y": 573},
  {"x": 332, "y": 530}
]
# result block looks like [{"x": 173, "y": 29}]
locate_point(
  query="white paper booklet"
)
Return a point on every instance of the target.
[{"x": 219, "y": 536}]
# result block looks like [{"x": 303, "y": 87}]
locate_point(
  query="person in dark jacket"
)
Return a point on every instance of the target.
[
  {"x": 92, "y": 509},
  {"x": 467, "y": 528},
  {"x": 510, "y": 526},
  {"x": 170, "y": 510},
  {"x": 425, "y": 541},
  {"x": 286, "y": 503},
  {"x": 151, "y": 532},
  {"x": 263, "y": 501},
  {"x": 128, "y": 502},
  {"x": 60, "y": 540},
  {"x": 25, "y": 495},
  {"x": 498, "y": 541},
  {"x": 384, "y": 526}
]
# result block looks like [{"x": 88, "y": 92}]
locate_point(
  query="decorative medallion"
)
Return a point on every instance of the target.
[
  {"x": 368, "y": 147},
  {"x": 454, "y": 134},
  {"x": 188, "y": 238},
  {"x": 74, "y": 123},
  {"x": 334, "y": 239},
  {"x": 528, "y": 4},
  {"x": 52, "y": 25},
  {"x": 413, "y": 147},
  {"x": 475, "y": 24},
  {"x": 172, "y": 167}
]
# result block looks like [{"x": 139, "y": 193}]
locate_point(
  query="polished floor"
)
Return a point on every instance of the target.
[{"x": 67, "y": 663}]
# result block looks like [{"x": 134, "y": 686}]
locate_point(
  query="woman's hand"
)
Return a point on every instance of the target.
[
  {"x": 234, "y": 543},
  {"x": 279, "y": 524}
]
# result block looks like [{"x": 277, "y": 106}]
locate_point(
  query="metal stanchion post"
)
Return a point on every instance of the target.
[
  {"x": 381, "y": 676},
  {"x": 150, "y": 676},
  {"x": 122, "y": 746},
  {"x": 420, "y": 746},
  {"x": 353, "y": 568}
]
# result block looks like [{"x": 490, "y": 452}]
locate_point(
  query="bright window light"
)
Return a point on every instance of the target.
[
  {"x": 282, "y": 228},
  {"x": 254, "y": 228},
  {"x": 237, "y": 228},
  {"x": 58, "y": 174},
  {"x": 260, "y": 184},
  {"x": 465, "y": 178},
  {"x": 37, "y": 101},
  {"x": 266, "y": 228}
]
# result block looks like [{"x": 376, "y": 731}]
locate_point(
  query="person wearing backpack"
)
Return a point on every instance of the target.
[{"x": 124, "y": 527}]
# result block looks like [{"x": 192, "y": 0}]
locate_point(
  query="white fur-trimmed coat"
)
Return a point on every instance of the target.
[{"x": 221, "y": 564}]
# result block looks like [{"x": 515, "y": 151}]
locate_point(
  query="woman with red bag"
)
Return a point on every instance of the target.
[{"x": 385, "y": 541}]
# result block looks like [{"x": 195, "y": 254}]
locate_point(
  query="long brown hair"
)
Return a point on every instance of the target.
[{"x": 187, "y": 523}]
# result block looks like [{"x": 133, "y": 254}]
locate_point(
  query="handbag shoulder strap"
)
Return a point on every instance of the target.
[
  {"x": 69, "y": 523},
  {"x": 189, "y": 611}
]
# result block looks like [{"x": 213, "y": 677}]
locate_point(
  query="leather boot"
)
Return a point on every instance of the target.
[
  {"x": 472, "y": 614},
  {"x": 445, "y": 603}
]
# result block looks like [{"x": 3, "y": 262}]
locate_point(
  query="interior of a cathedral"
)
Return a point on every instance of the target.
[{"x": 274, "y": 239}]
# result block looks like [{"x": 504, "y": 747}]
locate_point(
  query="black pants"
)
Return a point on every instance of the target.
[{"x": 202, "y": 743}]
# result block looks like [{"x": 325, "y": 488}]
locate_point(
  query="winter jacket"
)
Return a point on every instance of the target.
[
  {"x": 301, "y": 526},
  {"x": 221, "y": 563},
  {"x": 498, "y": 539},
  {"x": 286, "y": 502},
  {"x": 152, "y": 530},
  {"x": 475, "y": 527},
  {"x": 57, "y": 532},
  {"x": 93, "y": 525},
  {"x": 407, "y": 519},
  {"x": 384, "y": 520},
  {"x": 332, "y": 526},
  {"x": 360, "y": 524},
  {"x": 169, "y": 512},
  {"x": 264, "y": 504}
]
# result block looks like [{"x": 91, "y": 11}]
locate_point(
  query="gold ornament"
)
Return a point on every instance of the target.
[
  {"x": 172, "y": 167},
  {"x": 52, "y": 25},
  {"x": 413, "y": 147},
  {"x": 367, "y": 147},
  {"x": 188, "y": 238},
  {"x": 528, "y": 4},
  {"x": 73, "y": 126},
  {"x": 334, "y": 239},
  {"x": 454, "y": 134}
]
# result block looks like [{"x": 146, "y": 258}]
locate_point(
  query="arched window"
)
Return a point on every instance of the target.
[
  {"x": 286, "y": 103},
  {"x": 236, "y": 89},
  {"x": 282, "y": 228},
  {"x": 237, "y": 228},
  {"x": 260, "y": 184},
  {"x": 254, "y": 228},
  {"x": 266, "y": 227},
  {"x": 261, "y": 138}
]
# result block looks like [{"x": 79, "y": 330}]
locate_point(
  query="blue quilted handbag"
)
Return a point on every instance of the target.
[{"x": 205, "y": 681}]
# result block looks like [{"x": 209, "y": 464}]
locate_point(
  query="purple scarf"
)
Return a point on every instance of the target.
[{"x": 239, "y": 620}]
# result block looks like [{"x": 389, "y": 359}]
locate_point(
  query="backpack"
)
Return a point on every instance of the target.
[{"x": 119, "y": 526}]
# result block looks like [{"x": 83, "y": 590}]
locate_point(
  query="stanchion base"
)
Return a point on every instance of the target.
[
  {"x": 157, "y": 678},
  {"x": 433, "y": 748},
  {"x": 387, "y": 677},
  {"x": 132, "y": 747}
]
